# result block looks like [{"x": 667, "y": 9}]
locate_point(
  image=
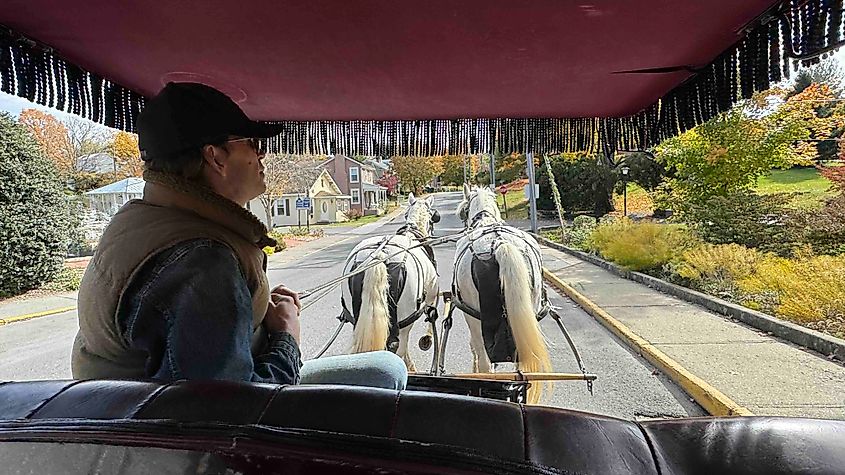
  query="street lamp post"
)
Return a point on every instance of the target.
[{"x": 625, "y": 171}]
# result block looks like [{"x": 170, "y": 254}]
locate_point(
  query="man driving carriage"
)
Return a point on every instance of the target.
[{"x": 177, "y": 288}]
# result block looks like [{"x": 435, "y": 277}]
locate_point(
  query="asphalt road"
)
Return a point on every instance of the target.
[{"x": 627, "y": 387}]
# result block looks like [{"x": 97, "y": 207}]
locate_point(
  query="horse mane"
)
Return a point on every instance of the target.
[
  {"x": 464, "y": 204},
  {"x": 419, "y": 216}
]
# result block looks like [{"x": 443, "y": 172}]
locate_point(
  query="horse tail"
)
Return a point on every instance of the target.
[
  {"x": 373, "y": 325},
  {"x": 532, "y": 353}
]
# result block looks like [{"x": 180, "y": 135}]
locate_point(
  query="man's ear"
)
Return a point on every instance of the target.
[
  {"x": 214, "y": 158},
  {"x": 411, "y": 199}
]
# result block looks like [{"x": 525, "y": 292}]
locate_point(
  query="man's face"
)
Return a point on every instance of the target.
[{"x": 244, "y": 170}]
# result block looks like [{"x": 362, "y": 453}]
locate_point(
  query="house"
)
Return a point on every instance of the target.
[
  {"x": 108, "y": 199},
  {"x": 380, "y": 165},
  {"x": 97, "y": 163},
  {"x": 358, "y": 180},
  {"x": 328, "y": 203}
]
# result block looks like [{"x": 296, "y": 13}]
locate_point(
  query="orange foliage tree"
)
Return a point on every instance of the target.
[{"x": 52, "y": 135}]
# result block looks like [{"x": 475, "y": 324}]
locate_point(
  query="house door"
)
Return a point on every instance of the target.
[{"x": 324, "y": 211}]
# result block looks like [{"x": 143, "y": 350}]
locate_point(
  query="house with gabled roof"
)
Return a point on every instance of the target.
[
  {"x": 328, "y": 203},
  {"x": 358, "y": 180}
]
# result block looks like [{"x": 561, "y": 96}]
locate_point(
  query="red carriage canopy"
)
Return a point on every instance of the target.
[{"x": 414, "y": 77}]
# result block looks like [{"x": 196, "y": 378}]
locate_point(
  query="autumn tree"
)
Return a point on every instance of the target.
[
  {"x": 124, "y": 149},
  {"x": 454, "y": 166},
  {"x": 51, "y": 135},
  {"x": 390, "y": 181},
  {"x": 727, "y": 154},
  {"x": 416, "y": 172},
  {"x": 286, "y": 174}
]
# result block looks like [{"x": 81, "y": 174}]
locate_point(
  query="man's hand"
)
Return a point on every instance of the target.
[{"x": 283, "y": 312}]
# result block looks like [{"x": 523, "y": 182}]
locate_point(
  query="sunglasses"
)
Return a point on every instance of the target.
[{"x": 259, "y": 146}]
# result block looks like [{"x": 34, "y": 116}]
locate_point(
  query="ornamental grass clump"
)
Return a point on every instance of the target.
[
  {"x": 809, "y": 288},
  {"x": 641, "y": 246},
  {"x": 716, "y": 269}
]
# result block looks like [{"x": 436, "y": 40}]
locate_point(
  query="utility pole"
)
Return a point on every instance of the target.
[{"x": 532, "y": 198}]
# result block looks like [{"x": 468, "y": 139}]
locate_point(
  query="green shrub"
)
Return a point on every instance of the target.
[
  {"x": 67, "y": 280},
  {"x": 585, "y": 185},
  {"x": 641, "y": 246},
  {"x": 280, "y": 241},
  {"x": 764, "y": 222},
  {"x": 34, "y": 212},
  {"x": 578, "y": 235},
  {"x": 824, "y": 230},
  {"x": 353, "y": 214}
]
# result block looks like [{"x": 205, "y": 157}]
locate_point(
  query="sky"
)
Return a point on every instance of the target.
[{"x": 15, "y": 105}]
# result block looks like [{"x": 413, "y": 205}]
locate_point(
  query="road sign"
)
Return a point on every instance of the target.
[
  {"x": 527, "y": 188},
  {"x": 303, "y": 203}
]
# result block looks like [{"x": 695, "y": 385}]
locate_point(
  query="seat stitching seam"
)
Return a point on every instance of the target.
[
  {"x": 152, "y": 397},
  {"x": 276, "y": 392},
  {"x": 651, "y": 449},
  {"x": 524, "y": 433},
  {"x": 395, "y": 421},
  {"x": 54, "y": 396}
]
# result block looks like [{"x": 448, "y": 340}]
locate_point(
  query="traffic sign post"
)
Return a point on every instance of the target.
[{"x": 304, "y": 204}]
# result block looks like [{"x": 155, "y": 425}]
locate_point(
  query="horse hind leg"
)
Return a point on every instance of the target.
[
  {"x": 403, "y": 352},
  {"x": 480, "y": 360}
]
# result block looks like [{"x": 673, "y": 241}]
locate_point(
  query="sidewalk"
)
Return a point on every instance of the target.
[
  {"x": 16, "y": 308},
  {"x": 765, "y": 375}
]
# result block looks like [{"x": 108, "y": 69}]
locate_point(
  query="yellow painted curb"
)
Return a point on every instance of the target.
[
  {"x": 29, "y": 316},
  {"x": 711, "y": 399}
]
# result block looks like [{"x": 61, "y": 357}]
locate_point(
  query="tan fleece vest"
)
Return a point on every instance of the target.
[{"x": 171, "y": 212}]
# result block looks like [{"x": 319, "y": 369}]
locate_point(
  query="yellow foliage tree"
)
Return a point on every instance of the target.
[
  {"x": 415, "y": 172},
  {"x": 124, "y": 148}
]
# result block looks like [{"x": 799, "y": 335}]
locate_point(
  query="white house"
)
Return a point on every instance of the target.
[
  {"x": 108, "y": 199},
  {"x": 328, "y": 203},
  {"x": 98, "y": 163}
]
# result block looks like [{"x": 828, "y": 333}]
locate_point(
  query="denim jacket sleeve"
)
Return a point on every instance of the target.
[{"x": 190, "y": 311}]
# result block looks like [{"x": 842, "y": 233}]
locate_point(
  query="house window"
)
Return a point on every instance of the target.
[
  {"x": 287, "y": 206},
  {"x": 353, "y": 175},
  {"x": 281, "y": 208},
  {"x": 356, "y": 196}
]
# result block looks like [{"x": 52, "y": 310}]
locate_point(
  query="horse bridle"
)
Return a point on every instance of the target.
[
  {"x": 434, "y": 215},
  {"x": 464, "y": 214}
]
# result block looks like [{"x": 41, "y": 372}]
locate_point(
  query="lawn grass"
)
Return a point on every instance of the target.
[
  {"x": 802, "y": 180},
  {"x": 358, "y": 222},
  {"x": 517, "y": 205}
]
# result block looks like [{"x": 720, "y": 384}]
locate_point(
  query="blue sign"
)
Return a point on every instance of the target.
[{"x": 303, "y": 203}]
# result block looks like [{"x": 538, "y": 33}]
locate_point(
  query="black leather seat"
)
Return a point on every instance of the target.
[{"x": 548, "y": 438}]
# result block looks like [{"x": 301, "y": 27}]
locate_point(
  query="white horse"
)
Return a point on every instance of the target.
[
  {"x": 384, "y": 301},
  {"x": 498, "y": 284}
]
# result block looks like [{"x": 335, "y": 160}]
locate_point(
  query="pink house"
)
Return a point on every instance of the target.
[{"x": 358, "y": 180}]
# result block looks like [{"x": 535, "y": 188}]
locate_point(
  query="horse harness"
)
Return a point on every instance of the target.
[
  {"x": 498, "y": 229},
  {"x": 397, "y": 272}
]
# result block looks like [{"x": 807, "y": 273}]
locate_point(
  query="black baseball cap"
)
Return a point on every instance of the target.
[{"x": 187, "y": 115}]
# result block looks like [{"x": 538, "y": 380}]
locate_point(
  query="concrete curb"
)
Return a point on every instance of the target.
[
  {"x": 825, "y": 344},
  {"x": 711, "y": 399},
  {"x": 30, "y": 316}
]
